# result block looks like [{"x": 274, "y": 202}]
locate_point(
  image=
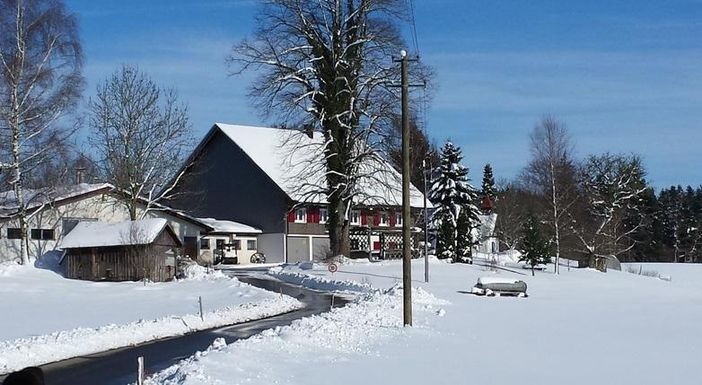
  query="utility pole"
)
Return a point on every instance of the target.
[
  {"x": 426, "y": 223},
  {"x": 406, "y": 246},
  {"x": 406, "y": 218}
]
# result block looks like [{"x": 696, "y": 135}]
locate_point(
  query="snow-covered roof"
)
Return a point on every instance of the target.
[
  {"x": 229, "y": 227},
  {"x": 45, "y": 196},
  {"x": 300, "y": 172},
  {"x": 102, "y": 234}
]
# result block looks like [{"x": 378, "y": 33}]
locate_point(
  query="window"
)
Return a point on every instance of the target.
[
  {"x": 14, "y": 233},
  {"x": 323, "y": 216},
  {"x": 355, "y": 217},
  {"x": 42, "y": 234},
  {"x": 251, "y": 244},
  {"x": 384, "y": 219},
  {"x": 301, "y": 216},
  {"x": 398, "y": 218},
  {"x": 204, "y": 244},
  {"x": 236, "y": 244},
  {"x": 220, "y": 244}
]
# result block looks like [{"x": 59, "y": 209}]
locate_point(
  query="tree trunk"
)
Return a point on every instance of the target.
[
  {"x": 338, "y": 228},
  {"x": 532, "y": 270},
  {"x": 17, "y": 178},
  {"x": 554, "y": 202}
]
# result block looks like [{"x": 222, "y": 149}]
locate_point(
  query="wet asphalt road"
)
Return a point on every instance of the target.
[{"x": 118, "y": 367}]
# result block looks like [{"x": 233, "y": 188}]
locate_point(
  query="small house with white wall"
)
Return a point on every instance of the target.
[
  {"x": 228, "y": 242},
  {"x": 54, "y": 213}
]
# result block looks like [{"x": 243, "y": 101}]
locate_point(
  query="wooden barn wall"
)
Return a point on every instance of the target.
[{"x": 125, "y": 263}]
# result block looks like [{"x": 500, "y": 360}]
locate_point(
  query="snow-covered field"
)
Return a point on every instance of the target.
[
  {"x": 582, "y": 327},
  {"x": 46, "y": 318}
]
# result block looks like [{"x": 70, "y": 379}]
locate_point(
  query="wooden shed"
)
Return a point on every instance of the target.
[{"x": 124, "y": 251}]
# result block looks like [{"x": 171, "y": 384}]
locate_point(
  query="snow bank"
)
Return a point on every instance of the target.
[
  {"x": 33, "y": 351},
  {"x": 40, "y": 323},
  {"x": 339, "y": 335},
  {"x": 305, "y": 276},
  {"x": 196, "y": 272}
]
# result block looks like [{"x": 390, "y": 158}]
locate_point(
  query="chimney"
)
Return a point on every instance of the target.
[
  {"x": 80, "y": 175},
  {"x": 308, "y": 129}
]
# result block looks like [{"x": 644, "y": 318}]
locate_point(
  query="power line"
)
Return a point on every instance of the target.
[{"x": 413, "y": 25}]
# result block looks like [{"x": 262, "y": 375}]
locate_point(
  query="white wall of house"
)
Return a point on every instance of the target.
[
  {"x": 247, "y": 246},
  {"x": 55, "y": 221}
]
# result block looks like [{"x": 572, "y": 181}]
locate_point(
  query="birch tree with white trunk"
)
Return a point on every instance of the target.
[
  {"x": 551, "y": 173},
  {"x": 40, "y": 82},
  {"x": 141, "y": 135},
  {"x": 328, "y": 65}
]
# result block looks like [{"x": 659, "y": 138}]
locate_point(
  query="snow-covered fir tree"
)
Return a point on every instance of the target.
[
  {"x": 488, "y": 187},
  {"x": 456, "y": 214},
  {"x": 535, "y": 248}
]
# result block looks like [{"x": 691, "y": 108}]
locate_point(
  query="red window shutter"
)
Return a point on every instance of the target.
[
  {"x": 376, "y": 218},
  {"x": 313, "y": 215},
  {"x": 393, "y": 219},
  {"x": 364, "y": 218},
  {"x": 291, "y": 216}
]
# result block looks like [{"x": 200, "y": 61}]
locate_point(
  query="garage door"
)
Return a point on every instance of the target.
[
  {"x": 320, "y": 249},
  {"x": 298, "y": 249}
]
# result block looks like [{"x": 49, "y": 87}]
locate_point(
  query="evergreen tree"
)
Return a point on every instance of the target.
[
  {"x": 456, "y": 213},
  {"x": 488, "y": 187},
  {"x": 535, "y": 248}
]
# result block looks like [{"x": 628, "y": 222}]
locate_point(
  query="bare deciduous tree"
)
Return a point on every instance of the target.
[
  {"x": 40, "y": 82},
  {"x": 551, "y": 173},
  {"x": 328, "y": 64},
  {"x": 613, "y": 188},
  {"x": 141, "y": 134}
]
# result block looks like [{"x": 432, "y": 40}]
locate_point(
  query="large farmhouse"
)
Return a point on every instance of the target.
[{"x": 272, "y": 178}]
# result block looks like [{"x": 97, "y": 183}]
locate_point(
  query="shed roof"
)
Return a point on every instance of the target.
[
  {"x": 102, "y": 234},
  {"x": 294, "y": 162}
]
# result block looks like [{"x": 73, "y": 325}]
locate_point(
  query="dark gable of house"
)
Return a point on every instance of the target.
[{"x": 225, "y": 183}]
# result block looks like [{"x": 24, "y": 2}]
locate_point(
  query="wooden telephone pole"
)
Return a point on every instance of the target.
[{"x": 406, "y": 218}]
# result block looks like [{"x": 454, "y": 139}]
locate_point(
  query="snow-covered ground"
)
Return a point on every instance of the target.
[
  {"x": 582, "y": 327},
  {"x": 47, "y": 318}
]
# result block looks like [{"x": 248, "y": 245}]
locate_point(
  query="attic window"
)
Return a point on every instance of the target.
[{"x": 301, "y": 216}]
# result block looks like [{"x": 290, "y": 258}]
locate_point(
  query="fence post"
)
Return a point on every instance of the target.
[
  {"x": 202, "y": 317},
  {"x": 140, "y": 371}
]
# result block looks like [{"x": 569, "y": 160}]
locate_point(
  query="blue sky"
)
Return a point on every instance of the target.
[{"x": 626, "y": 76}]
